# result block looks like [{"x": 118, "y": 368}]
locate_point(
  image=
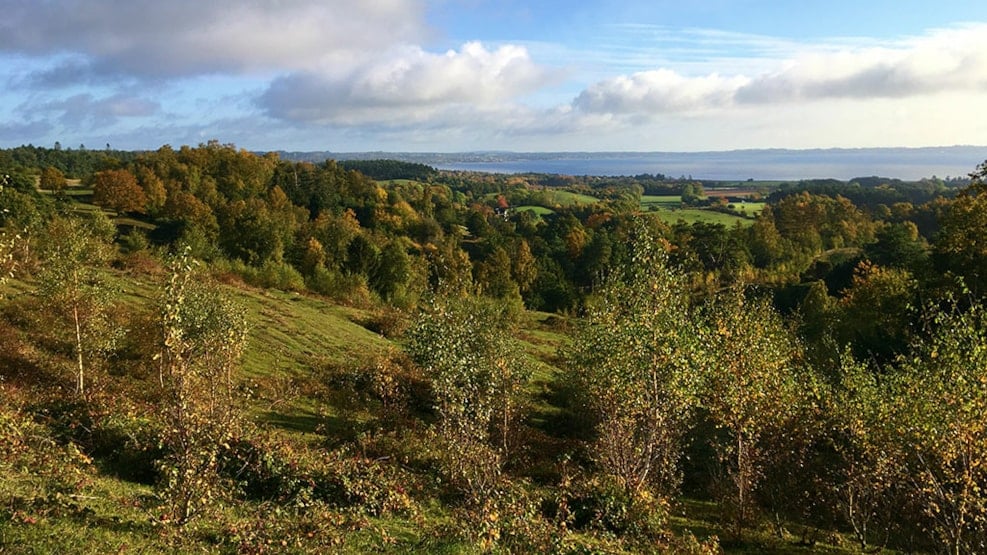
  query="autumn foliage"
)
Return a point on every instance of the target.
[{"x": 118, "y": 190}]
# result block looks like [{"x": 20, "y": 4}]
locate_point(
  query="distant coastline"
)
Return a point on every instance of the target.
[{"x": 758, "y": 164}]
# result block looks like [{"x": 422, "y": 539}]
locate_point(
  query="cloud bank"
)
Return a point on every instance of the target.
[
  {"x": 408, "y": 84},
  {"x": 943, "y": 61},
  {"x": 339, "y": 70},
  {"x": 174, "y": 38}
]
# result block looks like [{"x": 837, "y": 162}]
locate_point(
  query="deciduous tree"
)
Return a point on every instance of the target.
[
  {"x": 752, "y": 392},
  {"x": 634, "y": 363},
  {"x": 202, "y": 337},
  {"x": 52, "y": 179},
  {"x": 118, "y": 190},
  {"x": 72, "y": 251},
  {"x": 961, "y": 244},
  {"x": 942, "y": 390},
  {"x": 466, "y": 347},
  {"x": 870, "y": 470}
]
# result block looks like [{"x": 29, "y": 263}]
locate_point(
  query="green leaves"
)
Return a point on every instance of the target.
[
  {"x": 633, "y": 361},
  {"x": 72, "y": 251},
  {"x": 754, "y": 390},
  {"x": 203, "y": 335},
  {"x": 943, "y": 397},
  {"x": 8, "y": 262},
  {"x": 917, "y": 430},
  {"x": 466, "y": 347}
]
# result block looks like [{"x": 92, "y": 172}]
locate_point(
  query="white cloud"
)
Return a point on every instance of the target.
[
  {"x": 942, "y": 61},
  {"x": 151, "y": 38},
  {"x": 659, "y": 91},
  {"x": 267, "y": 73},
  {"x": 407, "y": 85}
]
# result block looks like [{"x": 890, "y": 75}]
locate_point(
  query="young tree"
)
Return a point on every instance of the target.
[
  {"x": 633, "y": 362},
  {"x": 52, "y": 179},
  {"x": 467, "y": 349},
  {"x": 203, "y": 334},
  {"x": 8, "y": 261},
  {"x": 72, "y": 252},
  {"x": 870, "y": 480},
  {"x": 752, "y": 392},
  {"x": 942, "y": 392}
]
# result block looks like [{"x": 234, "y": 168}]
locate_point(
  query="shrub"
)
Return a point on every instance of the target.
[
  {"x": 280, "y": 275},
  {"x": 606, "y": 504},
  {"x": 388, "y": 321}
]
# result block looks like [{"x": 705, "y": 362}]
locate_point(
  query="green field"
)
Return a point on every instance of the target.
[
  {"x": 538, "y": 210},
  {"x": 568, "y": 198},
  {"x": 698, "y": 215},
  {"x": 750, "y": 208},
  {"x": 660, "y": 201},
  {"x": 669, "y": 208}
]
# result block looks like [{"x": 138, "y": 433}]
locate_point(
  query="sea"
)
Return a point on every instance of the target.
[{"x": 761, "y": 165}]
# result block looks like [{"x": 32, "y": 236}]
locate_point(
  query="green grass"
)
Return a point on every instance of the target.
[
  {"x": 289, "y": 331},
  {"x": 538, "y": 210},
  {"x": 569, "y": 198},
  {"x": 669, "y": 209},
  {"x": 695, "y": 215},
  {"x": 749, "y": 207},
  {"x": 663, "y": 201}
]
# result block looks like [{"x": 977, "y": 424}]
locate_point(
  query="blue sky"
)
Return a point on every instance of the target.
[{"x": 457, "y": 75}]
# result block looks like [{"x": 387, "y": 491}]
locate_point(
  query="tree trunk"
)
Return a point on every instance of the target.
[
  {"x": 741, "y": 487},
  {"x": 80, "y": 384}
]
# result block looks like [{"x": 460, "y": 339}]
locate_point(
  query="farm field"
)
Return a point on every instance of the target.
[
  {"x": 698, "y": 215},
  {"x": 669, "y": 209},
  {"x": 538, "y": 210},
  {"x": 662, "y": 201},
  {"x": 569, "y": 198}
]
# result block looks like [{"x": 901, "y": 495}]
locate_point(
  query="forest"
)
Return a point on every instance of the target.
[{"x": 207, "y": 349}]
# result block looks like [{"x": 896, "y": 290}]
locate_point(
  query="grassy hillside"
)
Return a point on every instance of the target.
[{"x": 93, "y": 491}]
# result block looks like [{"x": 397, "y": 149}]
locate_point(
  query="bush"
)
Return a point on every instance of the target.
[
  {"x": 510, "y": 521},
  {"x": 606, "y": 504},
  {"x": 272, "y": 470},
  {"x": 390, "y": 388},
  {"x": 272, "y": 529},
  {"x": 370, "y": 486},
  {"x": 388, "y": 321},
  {"x": 50, "y": 467},
  {"x": 280, "y": 275},
  {"x": 347, "y": 289},
  {"x": 266, "y": 469}
]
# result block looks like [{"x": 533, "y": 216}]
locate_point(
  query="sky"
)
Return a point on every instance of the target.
[{"x": 476, "y": 75}]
